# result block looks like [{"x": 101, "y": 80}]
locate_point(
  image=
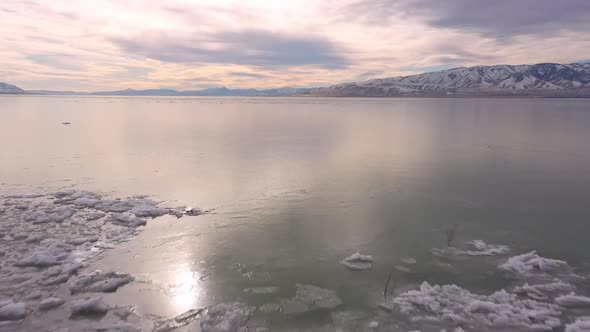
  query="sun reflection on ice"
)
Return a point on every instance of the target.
[{"x": 185, "y": 289}]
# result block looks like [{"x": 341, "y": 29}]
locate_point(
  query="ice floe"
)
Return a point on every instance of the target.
[
  {"x": 453, "y": 304},
  {"x": 46, "y": 256},
  {"x": 308, "y": 298},
  {"x": 409, "y": 260},
  {"x": 99, "y": 281},
  {"x": 358, "y": 262},
  {"x": 545, "y": 291},
  {"x": 10, "y": 310},
  {"x": 50, "y": 303},
  {"x": 573, "y": 301},
  {"x": 580, "y": 325},
  {"x": 89, "y": 306},
  {"x": 531, "y": 264},
  {"x": 261, "y": 290},
  {"x": 476, "y": 248}
]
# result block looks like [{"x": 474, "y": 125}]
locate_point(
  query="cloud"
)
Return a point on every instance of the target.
[
  {"x": 498, "y": 19},
  {"x": 111, "y": 44},
  {"x": 54, "y": 60},
  {"x": 250, "y": 47},
  {"x": 247, "y": 74}
]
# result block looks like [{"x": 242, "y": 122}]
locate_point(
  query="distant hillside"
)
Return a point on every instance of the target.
[
  {"x": 169, "y": 92},
  {"x": 543, "y": 80},
  {"x": 10, "y": 89}
]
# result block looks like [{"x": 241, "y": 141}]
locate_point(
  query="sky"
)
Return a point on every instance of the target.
[{"x": 94, "y": 45}]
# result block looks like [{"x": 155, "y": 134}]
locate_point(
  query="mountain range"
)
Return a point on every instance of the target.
[
  {"x": 10, "y": 89},
  {"x": 222, "y": 91},
  {"x": 538, "y": 80},
  {"x": 543, "y": 80}
]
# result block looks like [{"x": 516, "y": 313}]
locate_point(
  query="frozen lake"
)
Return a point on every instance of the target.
[{"x": 297, "y": 185}]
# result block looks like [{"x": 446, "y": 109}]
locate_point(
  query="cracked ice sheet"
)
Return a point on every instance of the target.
[{"x": 45, "y": 240}]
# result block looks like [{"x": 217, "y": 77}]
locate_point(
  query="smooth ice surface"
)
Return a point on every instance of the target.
[
  {"x": 297, "y": 184},
  {"x": 225, "y": 317}
]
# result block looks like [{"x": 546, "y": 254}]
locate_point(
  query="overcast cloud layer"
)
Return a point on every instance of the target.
[{"x": 116, "y": 44}]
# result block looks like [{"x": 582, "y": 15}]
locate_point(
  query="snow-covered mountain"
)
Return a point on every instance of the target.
[
  {"x": 544, "y": 79},
  {"x": 7, "y": 88}
]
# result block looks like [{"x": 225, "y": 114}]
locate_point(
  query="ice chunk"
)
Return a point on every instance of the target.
[
  {"x": 531, "y": 264},
  {"x": 191, "y": 211},
  {"x": 50, "y": 303},
  {"x": 261, "y": 290},
  {"x": 99, "y": 281},
  {"x": 409, "y": 261},
  {"x": 268, "y": 308},
  {"x": 35, "y": 294},
  {"x": 293, "y": 306},
  {"x": 484, "y": 249},
  {"x": 581, "y": 324},
  {"x": 49, "y": 256},
  {"x": 402, "y": 268},
  {"x": 57, "y": 217},
  {"x": 127, "y": 220},
  {"x": 230, "y": 317},
  {"x": 86, "y": 202},
  {"x": 358, "y": 262},
  {"x": 317, "y": 297},
  {"x": 573, "y": 301},
  {"x": 450, "y": 303},
  {"x": 148, "y": 211},
  {"x": 542, "y": 292},
  {"x": 89, "y": 306},
  {"x": 309, "y": 297},
  {"x": 479, "y": 248},
  {"x": 12, "y": 311},
  {"x": 95, "y": 215}
]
